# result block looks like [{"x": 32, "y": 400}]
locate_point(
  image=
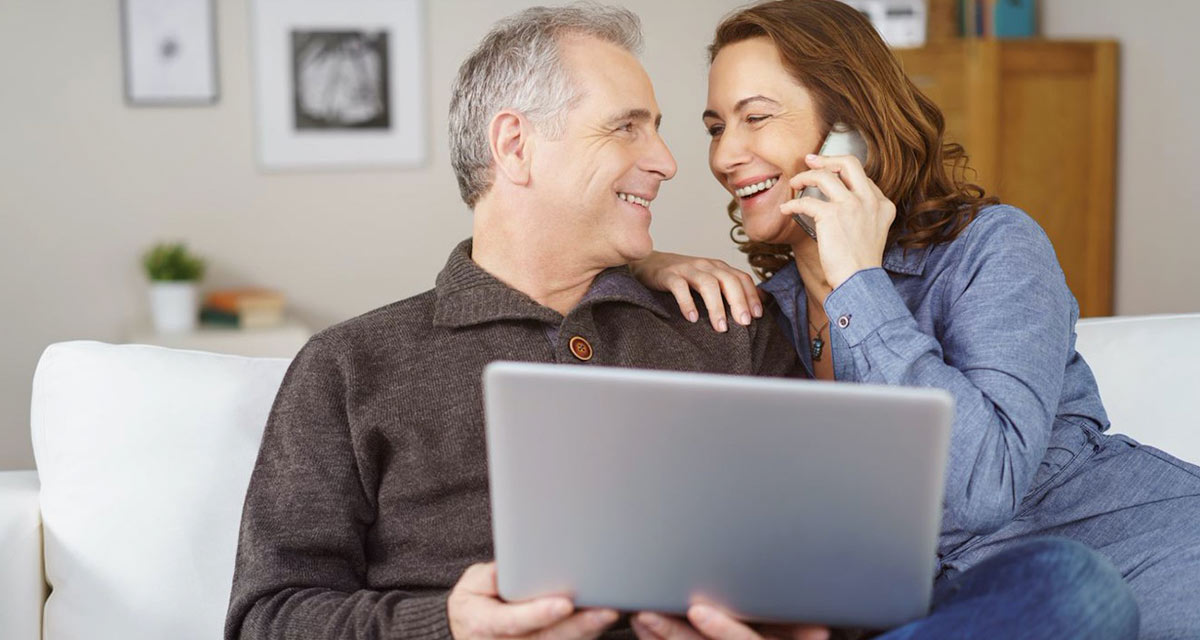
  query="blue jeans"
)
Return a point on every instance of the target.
[{"x": 1050, "y": 588}]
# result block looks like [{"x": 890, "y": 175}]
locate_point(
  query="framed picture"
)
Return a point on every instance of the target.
[
  {"x": 901, "y": 23},
  {"x": 170, "y": 52},
  {"x": 339, "y": 83}
]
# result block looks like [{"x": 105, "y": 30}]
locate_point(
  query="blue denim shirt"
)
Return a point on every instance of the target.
[{"x": 987, "y": 317}]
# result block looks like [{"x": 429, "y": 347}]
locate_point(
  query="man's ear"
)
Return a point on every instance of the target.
[{"x": 509, "y": 136}]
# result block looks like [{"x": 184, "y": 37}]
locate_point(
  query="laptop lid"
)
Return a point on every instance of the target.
[{"x": 780, "y": 500}]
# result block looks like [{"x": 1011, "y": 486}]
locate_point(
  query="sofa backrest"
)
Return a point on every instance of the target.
[
  {"x": 1148, "y": 369},
  {"x": 144, "y": 455}
]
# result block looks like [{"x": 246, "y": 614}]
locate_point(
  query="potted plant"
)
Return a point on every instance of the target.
[{"x": 174, "y": 274}]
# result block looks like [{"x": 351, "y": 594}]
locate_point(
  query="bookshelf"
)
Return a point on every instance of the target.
[{"x": 1038, "y": 120}]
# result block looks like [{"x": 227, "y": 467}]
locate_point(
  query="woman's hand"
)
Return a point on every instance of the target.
[
  {"x": 715, "y": 281},
  {"x": 710, "y": 623},
  {"x": 852, "y": 226}
]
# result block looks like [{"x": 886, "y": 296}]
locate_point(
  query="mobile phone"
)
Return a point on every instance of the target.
[{"x": 841, "y": 141}]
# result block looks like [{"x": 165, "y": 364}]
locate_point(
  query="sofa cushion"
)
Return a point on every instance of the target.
[
  {"x": 144, "y": 455},
  {"x": 22, "y": 590},
  {"x": 1147, "y": 368}
]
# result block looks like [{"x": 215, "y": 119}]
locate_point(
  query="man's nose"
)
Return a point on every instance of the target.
[{"x": 659, "y": 159}]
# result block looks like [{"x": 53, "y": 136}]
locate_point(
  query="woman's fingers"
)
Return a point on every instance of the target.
[
  {"x": 585, "y": 625},
  {"x": 752, "y": 294},
  {"x": 683, "y": 297},
  {"x": 828, "y": 182},
  {"x": 709, "y": 288},
  {"x": 737, "y": 295},
  {"x": 654, "y": 626},
  {"x": 851, "y": 172},
  {"x": 718, "y": 285},
  {"x": 811, "y": 207},
  {"x": 718, "y": 625}
]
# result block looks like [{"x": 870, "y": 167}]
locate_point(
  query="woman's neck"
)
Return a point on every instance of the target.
[{"x": 812, "y": 274}]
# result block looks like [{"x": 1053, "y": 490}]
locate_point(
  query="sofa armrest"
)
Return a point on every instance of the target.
[{"x": 22, "y": 580}]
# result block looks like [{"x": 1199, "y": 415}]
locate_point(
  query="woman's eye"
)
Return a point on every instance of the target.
[
  {"x": 627, "y": 127},
  {"x": 756, "y": 119},
  {"x": 715, "y": 130}
]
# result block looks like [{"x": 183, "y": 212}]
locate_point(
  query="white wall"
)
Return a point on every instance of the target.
[
  {"x": 86, "y": 182},
  {"x": 1158, "y": 195}
]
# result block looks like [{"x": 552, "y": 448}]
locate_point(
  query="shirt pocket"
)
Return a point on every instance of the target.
[{"x": 1070, "y": 445}]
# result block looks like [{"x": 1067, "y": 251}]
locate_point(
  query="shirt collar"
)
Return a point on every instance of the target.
[
  {"x": 467, "y": 295},
  {"x": 909, "y": 262}
]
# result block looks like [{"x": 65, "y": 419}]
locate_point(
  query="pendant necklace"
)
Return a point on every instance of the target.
[{"x": 818, "y": 345}]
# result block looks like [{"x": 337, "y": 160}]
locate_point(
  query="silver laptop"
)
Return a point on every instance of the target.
[{"x": 780, "y": 500}]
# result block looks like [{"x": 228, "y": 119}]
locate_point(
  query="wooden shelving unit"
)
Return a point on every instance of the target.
[{"x": 1038, "y": 119}]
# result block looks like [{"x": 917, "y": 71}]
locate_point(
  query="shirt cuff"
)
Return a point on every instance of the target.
[{"x": 863, "y": 304}]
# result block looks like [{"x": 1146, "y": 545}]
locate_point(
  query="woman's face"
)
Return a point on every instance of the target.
[{"x": 762, "y": 124}]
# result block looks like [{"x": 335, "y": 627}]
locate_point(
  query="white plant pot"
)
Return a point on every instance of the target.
[{"x": 174, "y": 306}]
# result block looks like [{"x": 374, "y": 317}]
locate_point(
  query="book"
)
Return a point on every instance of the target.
[
  {"x": 245, "y": 308},
  {"x": 997, "y": 18},
  {"x": 243, "y": 299},
  {"x": 243, "y": 320},
  {"x": 1014, "y": 18}
]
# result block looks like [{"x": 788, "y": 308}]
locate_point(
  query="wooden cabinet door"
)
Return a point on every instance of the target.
[{"x": 1038, "y": 120}]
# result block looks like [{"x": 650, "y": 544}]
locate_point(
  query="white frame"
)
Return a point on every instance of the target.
[
  {"x": 280, "y": 145},
  {"x": 195, "y": 80}
]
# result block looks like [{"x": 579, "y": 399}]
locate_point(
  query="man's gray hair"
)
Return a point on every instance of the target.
[{"x": 517, "y": 66}]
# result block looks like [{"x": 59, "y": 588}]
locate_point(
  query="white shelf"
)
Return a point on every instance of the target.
[{"x": 283, "y": 341}]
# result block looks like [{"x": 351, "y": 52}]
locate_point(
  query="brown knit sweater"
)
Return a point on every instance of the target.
[{"x": 369, "y": 497}]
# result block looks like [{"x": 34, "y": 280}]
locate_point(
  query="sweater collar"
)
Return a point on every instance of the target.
[{"x": 467, "y": 295}]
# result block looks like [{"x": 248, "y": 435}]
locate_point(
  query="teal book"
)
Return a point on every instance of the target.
[
  {"x": 1014, "y": 18},
  {"x": 219, "y": 318}
]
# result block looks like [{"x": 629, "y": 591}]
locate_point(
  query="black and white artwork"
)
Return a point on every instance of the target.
[
  {"x": 170, "y": 52},
  {"x": 340, "y": 84},
  {"x": 340, "y": 80}
]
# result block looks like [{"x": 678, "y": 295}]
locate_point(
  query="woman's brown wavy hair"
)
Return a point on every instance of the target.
[{"x": 834, "y": 52}]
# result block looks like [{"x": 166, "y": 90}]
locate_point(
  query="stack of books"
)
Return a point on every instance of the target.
[
  {"x": 245, "y": 308},
  {"x": 998, "y": 18}
]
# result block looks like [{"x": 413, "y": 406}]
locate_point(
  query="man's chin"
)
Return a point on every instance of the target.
[{"x": 635, "y": 250}]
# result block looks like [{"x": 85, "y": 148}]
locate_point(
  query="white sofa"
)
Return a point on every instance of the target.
[{"x": 144, "y": 454}]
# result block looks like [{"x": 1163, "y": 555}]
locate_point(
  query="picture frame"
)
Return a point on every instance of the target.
[
  {"x": 903, "y": 24},
  {"x": 340, "y": 85},
  {"x": 169, "y": 52}
]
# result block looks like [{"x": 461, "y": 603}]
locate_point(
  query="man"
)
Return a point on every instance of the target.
[
  {"x": 369, "y": 498},
  {"x": 367, "y": 514}
]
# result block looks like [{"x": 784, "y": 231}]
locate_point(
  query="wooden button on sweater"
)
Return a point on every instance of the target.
[{"x": 581, "y": 348}]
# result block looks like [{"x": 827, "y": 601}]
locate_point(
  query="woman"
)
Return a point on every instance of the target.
[{"x": 916, "y": 278}]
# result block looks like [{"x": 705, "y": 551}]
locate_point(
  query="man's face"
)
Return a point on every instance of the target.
[{"x": 597, "y": 180}]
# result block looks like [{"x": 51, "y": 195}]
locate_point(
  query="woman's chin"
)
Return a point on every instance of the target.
[{"x": 776, "y": 229}]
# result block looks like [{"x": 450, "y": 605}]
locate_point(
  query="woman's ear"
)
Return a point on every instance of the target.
[{"x": 511, "y": 143}]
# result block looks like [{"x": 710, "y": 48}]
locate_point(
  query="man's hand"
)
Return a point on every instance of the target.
[
  {"x": 710, "y": 623},
  {"x": 477, "y": 613}
]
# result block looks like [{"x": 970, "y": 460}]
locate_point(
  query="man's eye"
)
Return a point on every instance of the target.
[
  {"x": 627, "y": 127},
  {"x": 756, "y": 119},
  {"x": 715, "y": 130}
]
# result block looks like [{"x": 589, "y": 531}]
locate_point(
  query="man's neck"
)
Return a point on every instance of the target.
[{"x": 543, "y": 268}]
